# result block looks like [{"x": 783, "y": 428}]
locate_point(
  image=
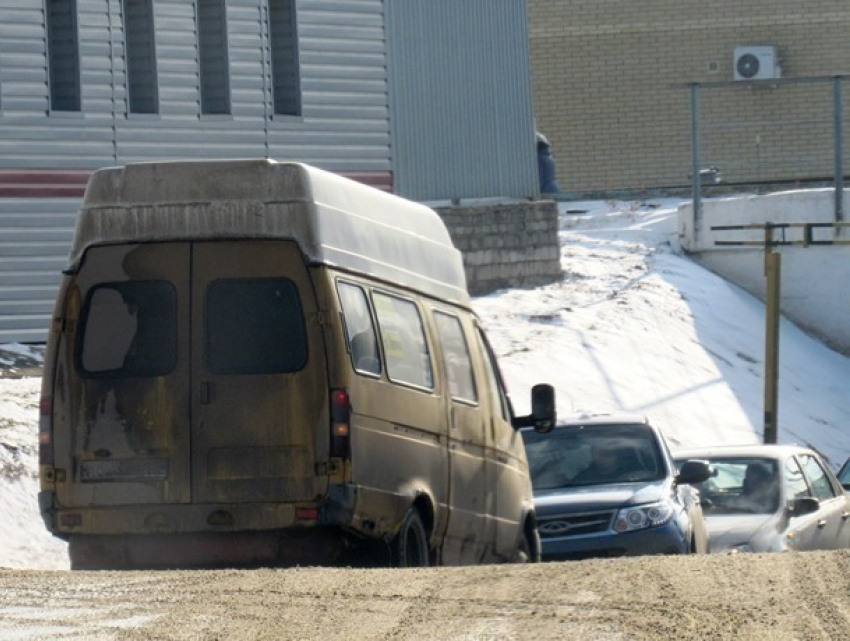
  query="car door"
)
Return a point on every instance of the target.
[
  {"x": 833, "y": 517},
  {"x": 844, "y": 475},
  {"x": 802, "y": 531}
]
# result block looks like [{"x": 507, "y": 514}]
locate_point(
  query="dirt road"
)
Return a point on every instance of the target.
[{"x": 796, "y": 596}]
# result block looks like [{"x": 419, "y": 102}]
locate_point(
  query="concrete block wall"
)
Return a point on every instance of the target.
[
  {"x": 506, "y": 245},
  {"x": 610, "y": 89}
]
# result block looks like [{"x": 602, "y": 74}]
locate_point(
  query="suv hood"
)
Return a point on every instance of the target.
[{"x": 599, "y": 497}]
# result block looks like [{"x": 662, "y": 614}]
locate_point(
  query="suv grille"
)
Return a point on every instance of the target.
[{"x": 562, "y": 525}]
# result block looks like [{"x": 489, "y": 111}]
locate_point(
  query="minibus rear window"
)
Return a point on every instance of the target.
[
  {"x": 128, "y": 329},
  {"x": 254, "y": 326}
]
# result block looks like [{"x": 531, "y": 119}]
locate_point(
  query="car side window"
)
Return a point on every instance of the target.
[
  {"x": 821, "y": 487},
  {"x": 797, "y": 486},
  {"x": 461, "y": 381},
  {"x": 359, "y": 329},
  {"x": 403, "y": 340}
]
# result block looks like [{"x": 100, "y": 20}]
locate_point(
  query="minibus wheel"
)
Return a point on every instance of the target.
[
  {"x": 527, "y": 549},
  {"x": 410, "y": 546}
]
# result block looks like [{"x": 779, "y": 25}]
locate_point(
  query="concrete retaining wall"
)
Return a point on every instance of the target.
[
  {"x": 815, "y": 280},
  {"x": 505, "y": 244}
]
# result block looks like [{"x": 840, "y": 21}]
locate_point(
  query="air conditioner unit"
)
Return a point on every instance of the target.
[{"x": 756, "y": 63}]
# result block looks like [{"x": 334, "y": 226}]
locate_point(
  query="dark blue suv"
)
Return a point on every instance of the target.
[{"x": 606, "y": 486}]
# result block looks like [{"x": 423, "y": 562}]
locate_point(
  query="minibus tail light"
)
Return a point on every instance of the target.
[
  {"x": 340, "y": 423},
  {"x": 45, "y": 431}
]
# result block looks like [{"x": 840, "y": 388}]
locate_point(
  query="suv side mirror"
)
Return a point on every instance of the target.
[
  {"x": 694, "y": 471},
  {"x": 543, "y": 414}
]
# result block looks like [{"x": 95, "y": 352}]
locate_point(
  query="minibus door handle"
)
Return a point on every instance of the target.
[{"x": 206, "y": 392}]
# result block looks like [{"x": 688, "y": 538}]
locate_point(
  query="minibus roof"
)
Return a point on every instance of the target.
[{"x": 336, "y": 221}]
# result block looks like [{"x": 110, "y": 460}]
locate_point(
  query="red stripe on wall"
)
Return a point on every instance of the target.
[
  {"x": 61, "y": 183},
  {"x": 43, "y": 183},
  {"x": 382, "y": 180}
]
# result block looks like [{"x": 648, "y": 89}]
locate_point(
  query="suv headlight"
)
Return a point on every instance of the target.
[{"x": 643, "y": 516}]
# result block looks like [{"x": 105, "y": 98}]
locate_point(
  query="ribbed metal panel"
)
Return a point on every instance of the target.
[
  {"x": 344, "y": 125},
  {"x": 345, "y": 118},
  {"x": 457, "y": 134},
  {"x": 35, "y": 237},
  {"x": 463, "y": 124}
]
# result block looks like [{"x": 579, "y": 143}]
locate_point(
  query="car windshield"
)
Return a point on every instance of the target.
[
  {"x": 745, "y": 485},
  {"x": 572, "y": 456}
]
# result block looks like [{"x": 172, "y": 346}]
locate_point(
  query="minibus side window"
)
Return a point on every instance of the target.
[
  {"x": 359, "y": 329},
  {"x": 403, "y": 340},
  {"x": 254, "y": 326},
  {"x": 456, "y": 358},
  {"x": 128, "y": 329},
  {"x": 499, "y": 397}
]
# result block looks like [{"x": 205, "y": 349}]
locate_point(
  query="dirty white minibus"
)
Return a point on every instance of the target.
[{"x": 263, "y": 363}]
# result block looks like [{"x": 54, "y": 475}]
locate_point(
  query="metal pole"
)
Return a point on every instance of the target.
[
  {"x": 696, "y": 180},
  {"x": 773, "y": 269},
  {"x": 839, "y": 149}
]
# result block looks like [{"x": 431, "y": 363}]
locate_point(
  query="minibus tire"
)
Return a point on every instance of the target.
[
  {"x": 528, "y": 546},
  {"x": 410, "y": 546}
]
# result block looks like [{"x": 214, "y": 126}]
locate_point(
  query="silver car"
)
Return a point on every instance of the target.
[
  {"x": 844, "y": 475},
  {"x": 771, "y": 498}
]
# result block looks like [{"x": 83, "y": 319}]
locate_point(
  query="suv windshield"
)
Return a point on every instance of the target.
[{"x": 572, "y": 456}]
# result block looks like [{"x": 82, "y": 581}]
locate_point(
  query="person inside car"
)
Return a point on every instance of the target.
[
  {"x": 760, "y": 490},
  {"x": 610, "y": 463}
]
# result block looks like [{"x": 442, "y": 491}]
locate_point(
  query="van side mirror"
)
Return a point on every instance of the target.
[{"x": 543, "y": 414}]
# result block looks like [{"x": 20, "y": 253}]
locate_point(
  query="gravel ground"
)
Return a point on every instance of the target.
[{"x": 789, "y": 596}]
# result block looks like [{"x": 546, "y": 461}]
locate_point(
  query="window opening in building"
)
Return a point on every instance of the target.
[
  {"x": 63, "y": 55},
  {"x": 283, "y": 40},
  {"x": 140, "y": 52},
  {"x": 212, "y": 57}
]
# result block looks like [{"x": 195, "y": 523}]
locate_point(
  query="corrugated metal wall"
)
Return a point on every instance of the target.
[
  {"x": 35, "y": 235},
  {"x": 460, "y": 83},
  {"x": 344, "y": 124},
  {"x": 461, "y": 113},
  {"x": 345, "y": 118}
]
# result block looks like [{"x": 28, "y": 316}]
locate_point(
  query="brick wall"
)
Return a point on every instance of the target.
[
  {"x": 605, "y": 76},
  {"x": 506, "y": 245}
]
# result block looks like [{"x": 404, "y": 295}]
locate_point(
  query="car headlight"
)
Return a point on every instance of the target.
[{"x": 643, "y": 516}]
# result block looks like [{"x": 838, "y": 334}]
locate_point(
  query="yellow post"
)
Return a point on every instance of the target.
[{"x": 773, "y": 266}]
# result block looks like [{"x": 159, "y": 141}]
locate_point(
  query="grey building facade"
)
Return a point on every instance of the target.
[{"x": 430, "y": 100}]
